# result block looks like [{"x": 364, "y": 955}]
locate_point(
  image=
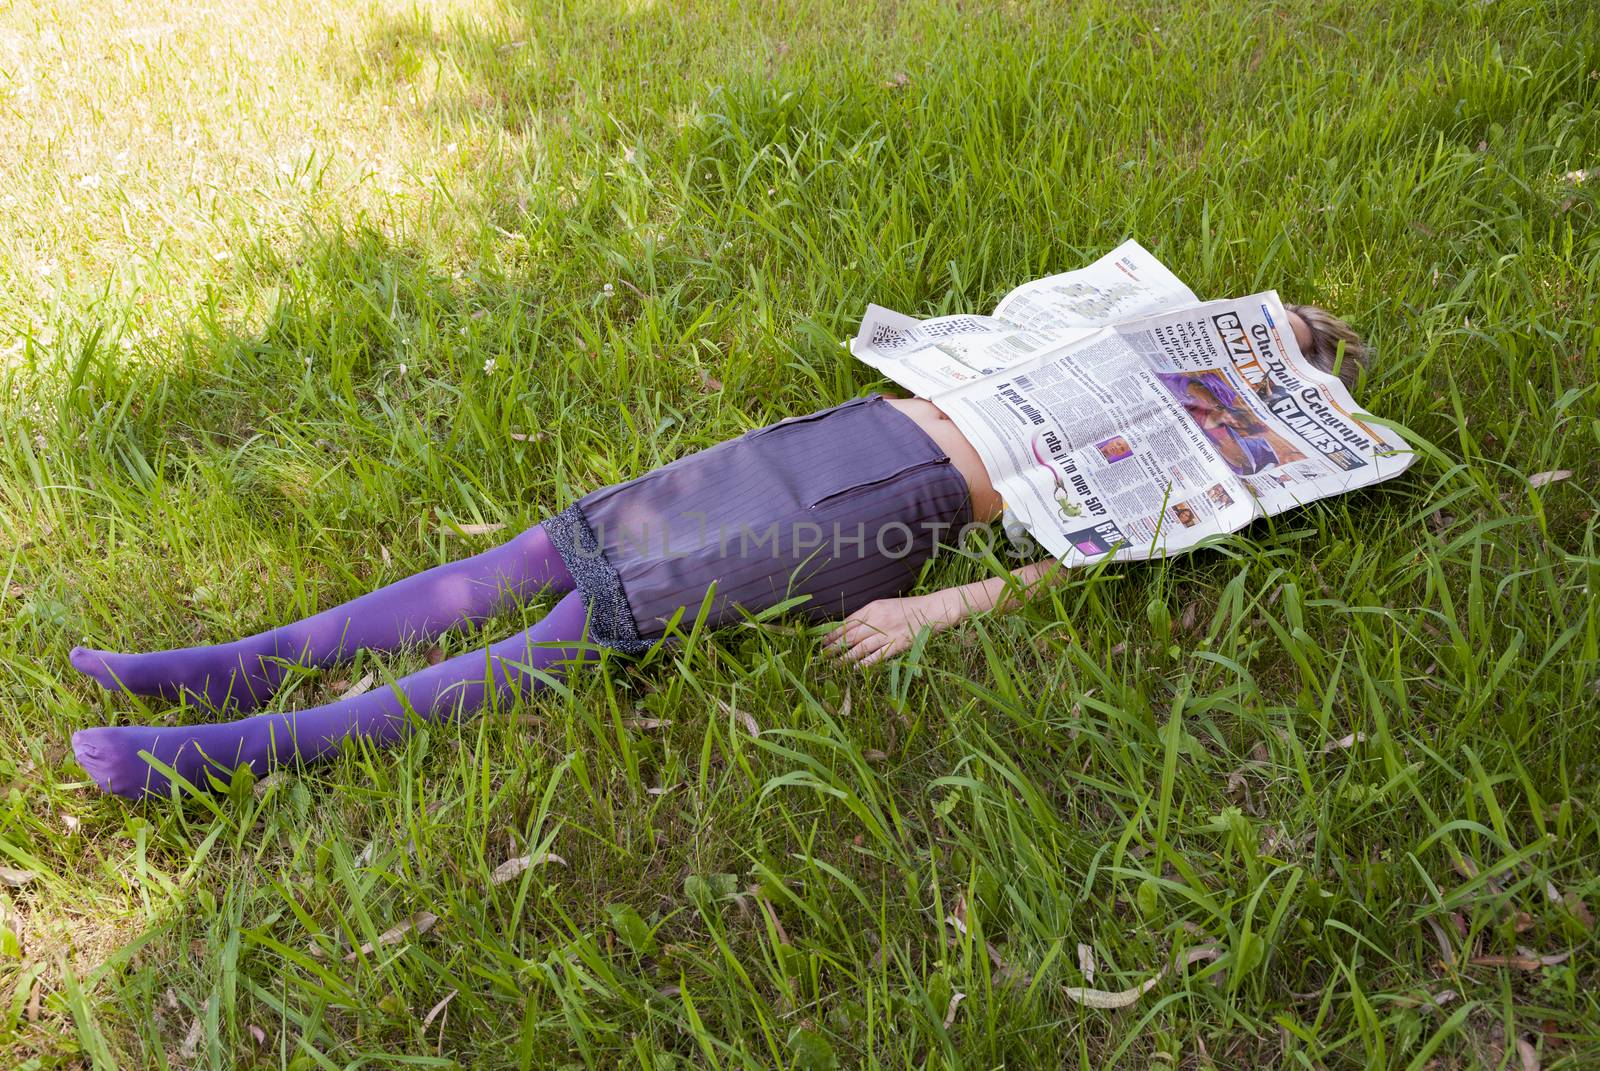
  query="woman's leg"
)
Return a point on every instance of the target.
[
  {"x": 248, "y": 671},
  {"x": 461, "y": 684}
]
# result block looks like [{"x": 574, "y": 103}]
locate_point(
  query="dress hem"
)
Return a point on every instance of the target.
[{"x": 611, "y": 622}]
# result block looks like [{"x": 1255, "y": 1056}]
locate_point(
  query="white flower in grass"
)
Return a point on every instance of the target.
[{"x": 488, "y": 366}]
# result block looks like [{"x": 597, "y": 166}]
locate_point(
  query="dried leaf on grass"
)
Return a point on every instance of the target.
[
  {"x": 513, "y": 867},
  {"x": 950, "y": 1012},
  {"x": 1102, "y": 998},
  {"x": 1446, "y": 950},
  {"x": 743, "y": 717},
  {"x": 257, "y": 1034},
  {"x": 433, "y": 1012},
  {"x": 190, "y": 1045},
  {"x": 1468, "y": 869},
  {"x": 16, "y": 878},
  {"x": 421, "y": 923},
  {"x": 360, "y": 687},
  {"x": 1344, "y": 742},
  {"x": 1572, "y": 902},
  {"x": 268, "y": 783},
  {"x": 1086, "y": 962},
  {"x": 1527, "y": 1054},
  {"x": 957, "y": 919},
  {"x": 1438, "y": 1000},
  {"x": 1525, "y": 960},
  {"x": 1540, "y": 479}
]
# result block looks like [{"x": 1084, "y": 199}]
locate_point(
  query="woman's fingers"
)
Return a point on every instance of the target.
[
  {"x": 851, "y": 632},
  {"x": 847, "y": 627},
  {"x": 888, "y": 650},
  {"x": 868, "y": 644}
]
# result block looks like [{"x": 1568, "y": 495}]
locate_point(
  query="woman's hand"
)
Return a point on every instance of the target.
[{"x": 884, "y": 628}]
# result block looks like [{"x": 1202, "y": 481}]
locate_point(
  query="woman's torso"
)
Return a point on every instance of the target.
[{"x": 986, "y": 504}]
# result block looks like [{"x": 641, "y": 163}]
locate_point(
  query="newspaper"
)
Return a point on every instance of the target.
[
  {"x": 931, "y": 356},
  {"x": 1140, "y": 436}
]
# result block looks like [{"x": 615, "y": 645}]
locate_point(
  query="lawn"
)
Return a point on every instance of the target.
[{"x": 297, "y": 299}]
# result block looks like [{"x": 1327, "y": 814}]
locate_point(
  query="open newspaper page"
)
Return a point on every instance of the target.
[
  {"x": 1288, "y": 432},
  {"x": 1125, "y": 283},
  {"x": 931, "y": 356},
  {"x": 1147, "y": 437},
  {"x": 1094, "y": 454}
]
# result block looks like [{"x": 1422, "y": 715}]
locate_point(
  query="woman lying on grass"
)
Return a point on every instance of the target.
[{"x": 843, "y": 507}]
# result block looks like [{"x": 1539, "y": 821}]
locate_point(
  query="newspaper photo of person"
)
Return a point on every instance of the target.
[
  {"x": 1114, "y": 449},
  {"x": 1243, "y": 440}
]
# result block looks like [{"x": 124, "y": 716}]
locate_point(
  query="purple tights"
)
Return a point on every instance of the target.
[{"x": 246, "y": 672}]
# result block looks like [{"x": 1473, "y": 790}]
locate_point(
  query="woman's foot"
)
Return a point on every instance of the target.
[
  {"x": 229, "y": 674},
  {"x": 112, "y": 756}
]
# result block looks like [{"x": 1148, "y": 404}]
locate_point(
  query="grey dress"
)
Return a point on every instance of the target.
[{"x": 840, "y": 507}]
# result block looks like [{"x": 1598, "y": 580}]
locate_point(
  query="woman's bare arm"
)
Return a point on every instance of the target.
[{"x": 884, "y": 628}]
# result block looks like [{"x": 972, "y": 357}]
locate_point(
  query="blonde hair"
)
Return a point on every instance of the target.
[{"x": 1334, "y": 344}]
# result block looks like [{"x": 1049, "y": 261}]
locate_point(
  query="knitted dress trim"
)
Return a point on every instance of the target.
[{"x": 611, "y": 622}]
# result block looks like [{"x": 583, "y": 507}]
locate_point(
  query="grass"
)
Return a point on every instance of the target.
[{"x": 289, "y": 291}]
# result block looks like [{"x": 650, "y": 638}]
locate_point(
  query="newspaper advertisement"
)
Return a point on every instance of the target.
[{"x": 1145, "y": 436}]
